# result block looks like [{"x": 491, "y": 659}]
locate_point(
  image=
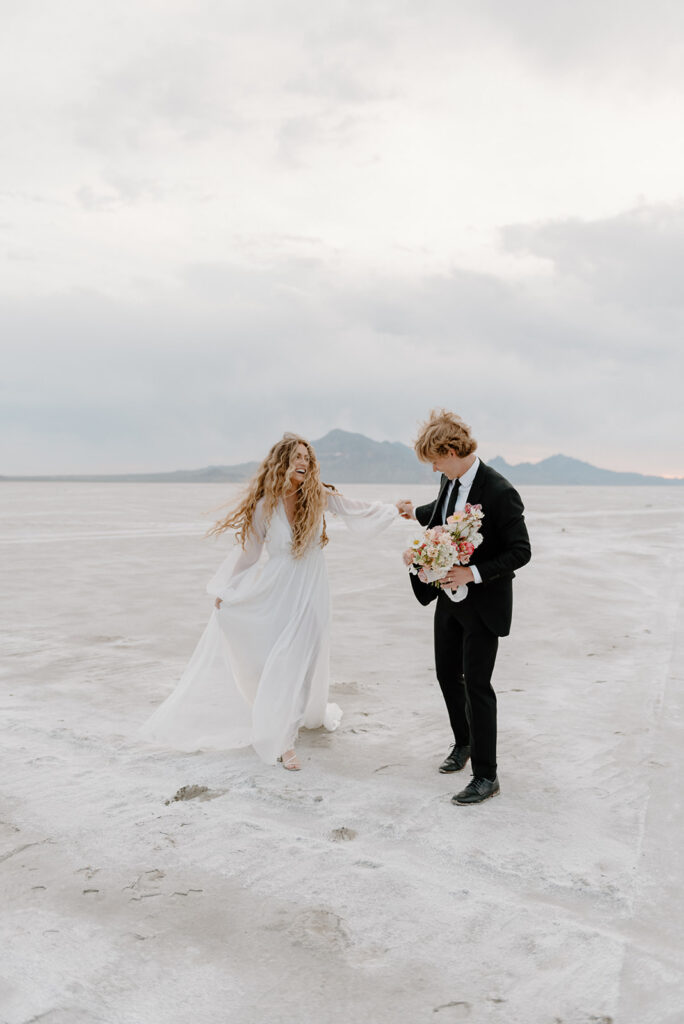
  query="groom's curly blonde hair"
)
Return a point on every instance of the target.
[{"x": 441, "y": 433}]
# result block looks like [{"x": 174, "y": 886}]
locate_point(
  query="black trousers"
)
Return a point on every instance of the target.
[{"x": 465, "y": 652}]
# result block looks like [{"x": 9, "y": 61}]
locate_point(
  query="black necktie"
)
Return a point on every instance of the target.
[{"x": 452, "y": 499}]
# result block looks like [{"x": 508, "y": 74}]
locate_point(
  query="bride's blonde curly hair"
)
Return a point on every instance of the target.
[{"x": 271, "y": 482}]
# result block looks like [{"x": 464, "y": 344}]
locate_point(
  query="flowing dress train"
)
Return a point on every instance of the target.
[{"x": 260, "y": 671}]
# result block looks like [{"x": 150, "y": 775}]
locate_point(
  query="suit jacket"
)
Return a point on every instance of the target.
[{"x": 505, "y": 547}]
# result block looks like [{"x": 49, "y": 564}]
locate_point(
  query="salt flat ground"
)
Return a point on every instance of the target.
[{"x": 354, "y": 890}]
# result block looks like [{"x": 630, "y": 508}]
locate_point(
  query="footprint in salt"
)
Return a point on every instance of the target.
[
  {"x": 88, "y": 871},
  {"x": 66, "y": 1015},
  {"x": 458, "y": 1010},
  {"x": 145, "y": 885},
  {"x": 318, "y": 928},
  {"x": 195, "y": 793},
  {"x": 343, "y": 834}
]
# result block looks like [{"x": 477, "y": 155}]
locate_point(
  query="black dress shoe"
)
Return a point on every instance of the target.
[
  {"x": 476, "y": 791},
  {"x": 457, "y": 759}
]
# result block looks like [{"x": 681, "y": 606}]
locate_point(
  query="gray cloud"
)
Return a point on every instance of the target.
[
  {"x": 633, "y": 259},
  {"x": 575, "y": 37},
  {"x": 116, "y": 190},
  {"x": 232, "y": 220},
  {"x": 237, "y": 355},
  {"x": 167, "y": 92}
]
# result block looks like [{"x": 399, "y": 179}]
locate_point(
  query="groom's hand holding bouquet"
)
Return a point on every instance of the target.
[{"x": 434, "y": 555}]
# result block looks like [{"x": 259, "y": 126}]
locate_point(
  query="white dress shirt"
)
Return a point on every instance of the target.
[{"x": 462, "y": 500}]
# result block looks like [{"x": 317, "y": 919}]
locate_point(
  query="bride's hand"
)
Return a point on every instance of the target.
[
  {"x": 218, "y": 602},
  {"x": 408, "y": 556},
  {"x": 405, "y": 509}
]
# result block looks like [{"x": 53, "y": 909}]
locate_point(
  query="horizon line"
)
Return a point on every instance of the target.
[{"x": 65, "y": 475}]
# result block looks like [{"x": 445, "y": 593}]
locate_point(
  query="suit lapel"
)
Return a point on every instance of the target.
[
  {"x": 477, "y": 486},
  {"x": 440, "y": 499}
]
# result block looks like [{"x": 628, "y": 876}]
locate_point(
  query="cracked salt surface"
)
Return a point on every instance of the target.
[{"x": 141, "y": 885}]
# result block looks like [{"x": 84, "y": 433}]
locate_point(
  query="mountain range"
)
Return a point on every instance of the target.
[
  {"x": 561, "y": 469},
  {"x": 353, "y": 458}
]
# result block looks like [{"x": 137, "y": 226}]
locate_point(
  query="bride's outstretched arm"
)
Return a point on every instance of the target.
[{"x": 362, "y": 516}]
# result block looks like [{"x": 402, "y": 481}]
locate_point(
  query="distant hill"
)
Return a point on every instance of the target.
[
  {"x": 345, "y": 458},
  {"x": 348, "y": 458},
  {"x": 562, "y": 470},
  {"x": 354, "y": 459}
]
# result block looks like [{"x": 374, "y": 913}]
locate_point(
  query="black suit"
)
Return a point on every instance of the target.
[{"x": 467, "y": 632}]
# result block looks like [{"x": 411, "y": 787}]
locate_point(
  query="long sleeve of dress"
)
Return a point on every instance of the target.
[
  {"x": 240, "y": 559},
  {"x": 364, "y": 517}
]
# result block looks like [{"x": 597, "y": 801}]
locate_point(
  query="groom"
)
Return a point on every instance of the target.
[{"x": 467, "y": 633}]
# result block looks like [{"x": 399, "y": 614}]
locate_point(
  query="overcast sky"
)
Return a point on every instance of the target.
[{"x": 220, "y": 220}]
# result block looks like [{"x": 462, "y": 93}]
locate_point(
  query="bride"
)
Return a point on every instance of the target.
[{"x": 260, "y": 670}]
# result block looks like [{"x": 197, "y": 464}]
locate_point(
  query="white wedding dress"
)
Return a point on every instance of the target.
[{"x": 260, "y": 670}]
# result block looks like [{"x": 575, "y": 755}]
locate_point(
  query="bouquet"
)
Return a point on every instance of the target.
[{"x": 442, "y": 547}]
